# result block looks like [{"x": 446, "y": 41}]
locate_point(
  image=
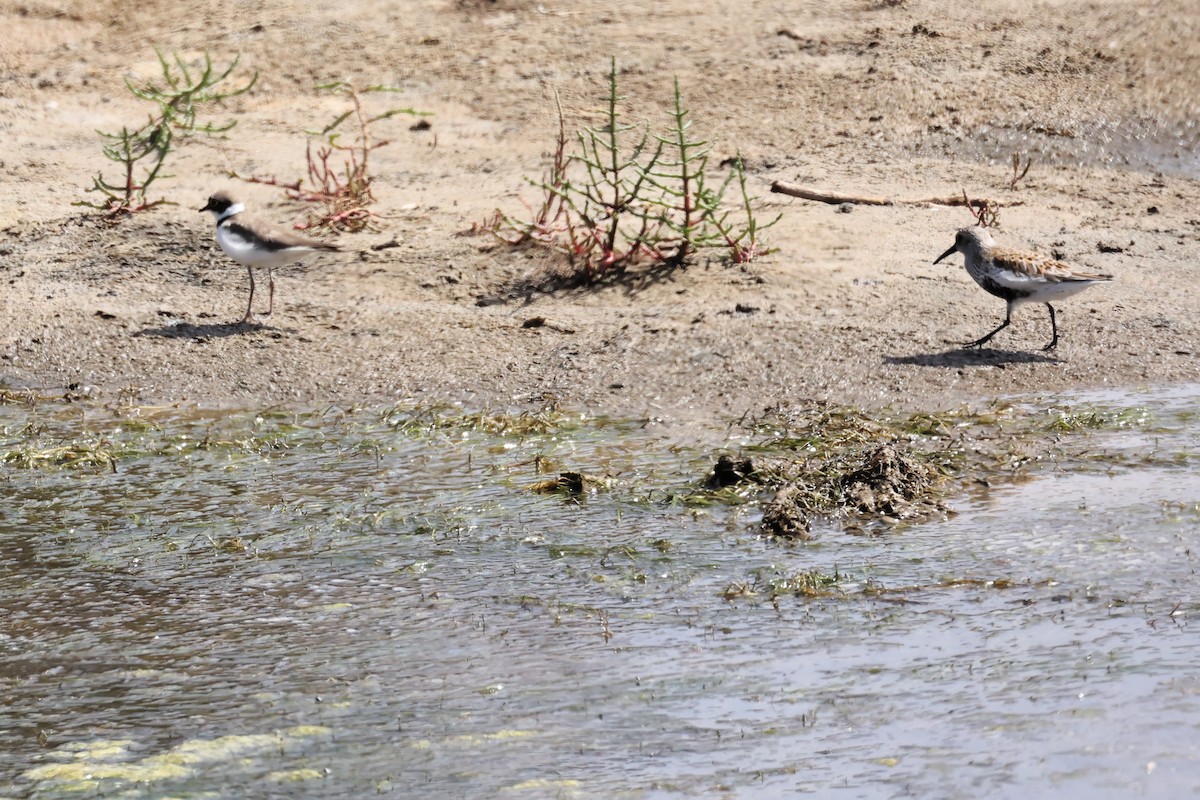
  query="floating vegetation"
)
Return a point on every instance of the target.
[
  {"x": 890, "y": 482},
  {"x": 806, "y": 583},
  {"x": 86, "y": 767},
  {"x": 23, "y": 396},
  {"x": 816, "y": 428},
  {"x": 774, "y": 584},
  {"x": 1068, "y": 420},
  {"x": 819, "y": 461},
  {"x": 84, "y": 455},
  {"x": 541, "y": 422},
  {"x": 787, "y": 513}
]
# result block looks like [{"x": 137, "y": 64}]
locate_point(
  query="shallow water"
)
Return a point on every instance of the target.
[
  {"x": 1141, "y": 144},
  {"x": 359, "y": 603}
]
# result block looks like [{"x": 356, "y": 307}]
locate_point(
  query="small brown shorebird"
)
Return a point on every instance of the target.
[
  {"x": 254, "y": 243},
  {"x": 1017, "y": 277}
]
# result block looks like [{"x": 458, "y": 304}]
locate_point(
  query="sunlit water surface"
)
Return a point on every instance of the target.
[{"x": 355, "y": 606}]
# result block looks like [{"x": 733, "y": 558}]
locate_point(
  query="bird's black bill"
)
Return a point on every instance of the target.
[
  {"x": 208, "y": 206},
  {"x": 949, "y": 252}
]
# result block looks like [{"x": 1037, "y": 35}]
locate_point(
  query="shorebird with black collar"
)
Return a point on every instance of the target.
[{"x": 254, "y": 243}]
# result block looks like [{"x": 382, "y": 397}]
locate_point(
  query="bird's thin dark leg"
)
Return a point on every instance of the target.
[
  {"x": 271, "y": 295},
  {"x": 984, "y": 340},
  {"x": 250, "y": 304},
  {"x": 1054, "y": 327}
]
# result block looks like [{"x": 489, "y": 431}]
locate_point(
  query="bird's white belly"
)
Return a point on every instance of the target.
[
  {"x": 244, "y": 252},
  {"x": 1028, "y": 288},
  {"x": 1048, "y": 292}
]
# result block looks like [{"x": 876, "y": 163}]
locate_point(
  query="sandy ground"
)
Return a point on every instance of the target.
[{"x": 904, "y": 98}]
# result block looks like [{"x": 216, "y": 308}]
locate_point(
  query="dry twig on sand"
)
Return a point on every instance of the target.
[{"x": 836, "y": 198}]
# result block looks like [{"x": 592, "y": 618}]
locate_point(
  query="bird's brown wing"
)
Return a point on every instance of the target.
[
  {"x": 1034, "y": 266},
  {"x": 276, "y": 236}
]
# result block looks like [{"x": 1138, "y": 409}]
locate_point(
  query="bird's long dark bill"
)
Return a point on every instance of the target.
[
  {"x": 951, "y": 251},
  {"x": 208, "y": 207}
]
